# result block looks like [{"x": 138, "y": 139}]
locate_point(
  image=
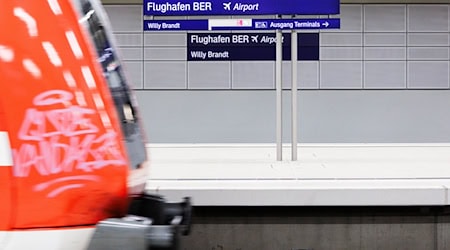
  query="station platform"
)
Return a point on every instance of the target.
[{"x": 324, "y": 175}]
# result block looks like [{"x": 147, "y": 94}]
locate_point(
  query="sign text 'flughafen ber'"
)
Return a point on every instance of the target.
[
  {"x": 248, "y": 46},
  {"x": 242, "y": 7}
]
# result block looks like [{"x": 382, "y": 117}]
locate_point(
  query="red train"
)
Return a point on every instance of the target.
[{"x": 73, "y": 162}]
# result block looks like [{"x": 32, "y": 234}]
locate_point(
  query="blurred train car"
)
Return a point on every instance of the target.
[{"x": 73, "y": 163}]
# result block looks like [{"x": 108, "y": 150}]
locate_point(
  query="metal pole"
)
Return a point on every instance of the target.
[
  {"x": 278, "y": 87},
  {"x": 294, "y": 63}
]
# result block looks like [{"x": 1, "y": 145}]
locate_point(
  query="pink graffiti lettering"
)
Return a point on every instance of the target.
[
  {"x": 70, "y": 121},
  {"x": 50, "y": 157},
  {"x": 59, "y": 96},
  {"x": 63, "y": 140}
]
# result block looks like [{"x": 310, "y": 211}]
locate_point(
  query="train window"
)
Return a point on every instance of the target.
[{"x": 116, "y": 80}]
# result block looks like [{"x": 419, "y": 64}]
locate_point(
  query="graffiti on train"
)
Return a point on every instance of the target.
[{"x": 63, "y": 139}]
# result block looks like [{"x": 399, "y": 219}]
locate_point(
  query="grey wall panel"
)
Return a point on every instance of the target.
[
  {"x": 351, "y": 19},
  {"x": 128, "y": 53},
  {"x": 341, "y": 53},
  {"x": 341, "y": 39},
  {"x": 209, "y": 75},
  {"x": 208, "y": 116},
  {"x": 384, "y": 18},
  {"x": 369, "y": 33},
  {"x": 384, "y": 39},
  {"x": 165, "y": 39},
  {"x": 385, "y": 75},
  {"x": 168, "y": 54},
  {"x": 428, "y": 39},
  {"x": 428, "y": 18},
  {"x": 134, "y": 73},
  {"x": 125, "y": 18},
  {"x": 385, "y": 53},
  {"x": 428, "y": 53},
  {"x": 253, "y": 75},
  {"x": 340, "y": 74},
  {"x": 165, "y": 75},
  {"x": 431, "y": 74},
  {"x": 307, "y": 75},
  {"x": 128, "y": 39},
  {"x": 325, "y": 116}
]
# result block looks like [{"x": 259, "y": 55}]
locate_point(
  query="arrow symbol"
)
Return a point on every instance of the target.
[
  {"x": 227, "y": 6},
  {"x": 326, "y": 24}
]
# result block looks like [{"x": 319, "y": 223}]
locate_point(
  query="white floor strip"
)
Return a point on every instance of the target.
[{"x": 325, "y": 174}]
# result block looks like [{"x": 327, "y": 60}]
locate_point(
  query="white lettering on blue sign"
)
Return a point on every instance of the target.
[
  {"x": 281, "y": 25},
  {"x": 307, "y": 24},
  {"x": 246, "y": 7},
  {"x": 241, "y": 39},
  {"x": 178, "y": 7},
  {"x": 154, "y": 26},
  {"x": 164, "y": 7},
  {"x": 294, "y": 24},
  {"x": 198, "y": 54},
  {"x": 171, "y": 26},
  {"x": 205, "y": 40},
  {"x": 218, "y": 55},
  {"x": 202, "y": 6},
  {"x": 210, "y": 54},
  {"x": 269, "y": 39},
  {"x": 163, "y": 26},
  {"x": 240, "y": 7}
]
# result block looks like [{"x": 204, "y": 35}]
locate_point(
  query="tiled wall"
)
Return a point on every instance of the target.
[{"x": 395, "y": 46}]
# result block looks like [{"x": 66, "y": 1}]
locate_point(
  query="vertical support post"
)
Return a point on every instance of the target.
[
  {"x": 279, "y": 92},
  {"x": 294, "y": 50}
]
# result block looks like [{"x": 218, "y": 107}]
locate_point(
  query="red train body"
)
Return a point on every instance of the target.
[{"x": 72, "y": 151}]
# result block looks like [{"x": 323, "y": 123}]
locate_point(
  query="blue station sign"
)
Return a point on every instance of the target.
[
  {"x": 240, "y": 7},
  {"x": 241, "y": 24},
  {"x": 248, "y": 46}
]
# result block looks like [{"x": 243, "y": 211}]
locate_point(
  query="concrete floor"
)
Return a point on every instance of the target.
[
  {"x": 336, "y": 197},
  {"x": 319, "y": 228}
]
